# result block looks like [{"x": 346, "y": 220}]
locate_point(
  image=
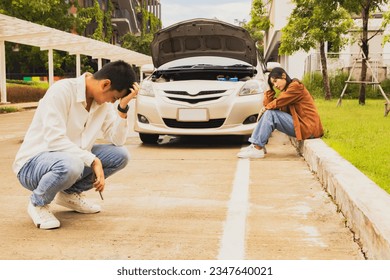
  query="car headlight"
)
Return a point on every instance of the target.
[
  {"x": 146, "y": 89},
  {"x": 250, "y": 88}
]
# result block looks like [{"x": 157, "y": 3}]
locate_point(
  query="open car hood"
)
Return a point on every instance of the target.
[{"x": 202, "y": 37}]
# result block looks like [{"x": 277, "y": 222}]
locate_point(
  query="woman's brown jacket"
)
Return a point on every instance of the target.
[{"x": 297, "y": 101}]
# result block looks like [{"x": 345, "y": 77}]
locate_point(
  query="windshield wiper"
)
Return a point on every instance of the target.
[
  {"x": 240, "y": 65},
  {"x": 194, "y": 66}
]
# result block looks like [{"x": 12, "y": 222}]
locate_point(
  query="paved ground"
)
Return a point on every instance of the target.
[{"x": 186, "y": 199}]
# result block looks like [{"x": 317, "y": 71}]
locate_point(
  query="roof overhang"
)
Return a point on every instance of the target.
[
  {"x": 272, "y": 51},
  {"x": 27, "y": 33}
]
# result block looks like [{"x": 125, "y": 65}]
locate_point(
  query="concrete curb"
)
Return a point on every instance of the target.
[
  {"x": 21, "y": 106},
  {"x": 364, "y": 204}
]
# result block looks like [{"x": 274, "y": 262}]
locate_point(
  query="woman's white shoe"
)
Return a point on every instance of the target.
[{"x": 251, "y": 152}]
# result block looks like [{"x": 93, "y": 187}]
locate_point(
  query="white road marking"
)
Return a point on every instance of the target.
[{"x": 233, "y": 238}]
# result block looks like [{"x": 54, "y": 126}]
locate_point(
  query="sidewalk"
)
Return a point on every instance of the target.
[
  {"x": 365, "y": 206},
  {"x": 21, "y": 106}
]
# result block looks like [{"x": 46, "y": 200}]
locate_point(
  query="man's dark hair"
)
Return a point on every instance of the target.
[{"x": 120, "y": 73}]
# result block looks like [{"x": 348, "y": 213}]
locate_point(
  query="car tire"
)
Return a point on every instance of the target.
[{"x": 149, "y": 138}]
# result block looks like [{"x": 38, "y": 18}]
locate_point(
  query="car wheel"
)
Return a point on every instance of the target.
[{"x": 149, "y": 138}]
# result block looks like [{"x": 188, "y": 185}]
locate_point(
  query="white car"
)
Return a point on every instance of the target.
[{"x": 205, "y": 82}]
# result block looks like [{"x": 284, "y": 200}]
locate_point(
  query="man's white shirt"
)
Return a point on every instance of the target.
[{"x": 61, "y": 123}]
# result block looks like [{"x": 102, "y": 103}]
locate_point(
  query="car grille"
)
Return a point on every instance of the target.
[
  {"x": 202, "y": 96},
  {"x": 213, "y": 123}
]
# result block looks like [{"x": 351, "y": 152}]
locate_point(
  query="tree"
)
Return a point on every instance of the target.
[
  {"x": 51, "y": 13},
  {"x": 312, "y": 23},
  {"x": 100, "y": 18},
  {"x": 259, "y": 17},
  {"x": 55, "y": 14},
  {"x": 141, "y": 44},
  {"x": 364, "y": 8},
  {"x": 258, "y": 23},
  {"x": 385, "y": 22}
]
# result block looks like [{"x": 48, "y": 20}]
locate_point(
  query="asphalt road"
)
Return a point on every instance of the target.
[{"x": 186, "y": 198}]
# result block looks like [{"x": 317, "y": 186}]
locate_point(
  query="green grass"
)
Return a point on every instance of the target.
[
  {"x": 360, "y": 134},
  {"x": 43, "y": 85},
  {"x": 6, "y": 109}
]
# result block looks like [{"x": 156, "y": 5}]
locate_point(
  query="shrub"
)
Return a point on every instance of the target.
[
  {"x": 337, "y": 84},
  {"x": 314, "y": 83},
  {"x": 386, "y": 86},
  {"x": 8, "y": 109},
  {"x": 22, "y": 93}
]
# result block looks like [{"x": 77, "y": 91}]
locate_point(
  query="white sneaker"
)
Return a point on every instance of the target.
[
  {"x": 250, "y": 147},
  {"x": 251, "y": 152},
  {"x": 246, "y": 148},
  {"x": 77, "y": 202},
  {"x": 42, "y": 217}
]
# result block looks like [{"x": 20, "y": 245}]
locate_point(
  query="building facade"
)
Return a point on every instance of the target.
[
  {"x": 307, "y": 62},
  {"x": 278, "y": 13},
  {"x": 127, "y": 16}
]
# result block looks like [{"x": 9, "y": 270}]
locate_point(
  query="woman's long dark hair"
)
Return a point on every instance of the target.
[{"x": 277, "y": 73}]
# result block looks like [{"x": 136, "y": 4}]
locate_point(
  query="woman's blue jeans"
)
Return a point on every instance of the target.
[
  {"x": 271, "y": 120},
  {"x": 48, "y": 173}
]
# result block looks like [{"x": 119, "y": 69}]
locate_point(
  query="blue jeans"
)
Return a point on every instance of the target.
[
  {"x": 48, "y": 173},
  {"x": 271, "y": 120}
]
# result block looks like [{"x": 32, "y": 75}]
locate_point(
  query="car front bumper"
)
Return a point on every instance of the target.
[{"x": 225, "y": 116}]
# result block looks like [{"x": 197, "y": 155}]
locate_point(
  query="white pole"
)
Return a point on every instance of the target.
[
  {"x": 3, "y": 79},
  {"x": 78, "y": 65},
  {"x": 99, "y": 63},
  {"x": 51, "y": 67}
]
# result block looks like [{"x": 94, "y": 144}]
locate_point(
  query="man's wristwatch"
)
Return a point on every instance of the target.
[{"x": 120, "y": 109}]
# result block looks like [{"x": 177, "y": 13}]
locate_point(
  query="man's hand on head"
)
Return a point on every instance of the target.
[{"x": 133, "y": 93}]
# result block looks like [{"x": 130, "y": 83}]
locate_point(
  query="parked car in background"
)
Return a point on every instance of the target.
[{"x": 206, "y": 81}]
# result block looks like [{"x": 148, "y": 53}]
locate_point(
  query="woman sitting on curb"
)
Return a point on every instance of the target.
[{"x": 293, "y": 112}]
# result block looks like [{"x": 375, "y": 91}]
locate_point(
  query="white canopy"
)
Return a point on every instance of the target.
[{"x": 27, "y": 33}]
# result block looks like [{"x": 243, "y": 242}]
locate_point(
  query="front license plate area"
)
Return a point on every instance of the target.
[{"x": 193, "y": 115}]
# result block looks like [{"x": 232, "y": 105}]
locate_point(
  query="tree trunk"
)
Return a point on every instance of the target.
[
  {"x": 324, "y": 69},
  {"x": 364, "y": 46}
]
